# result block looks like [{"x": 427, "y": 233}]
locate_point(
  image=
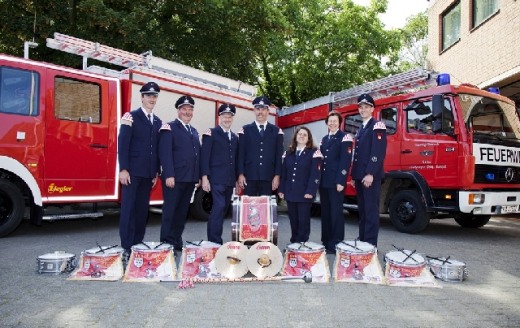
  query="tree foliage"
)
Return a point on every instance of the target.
[{"x": 294, "y": 50}]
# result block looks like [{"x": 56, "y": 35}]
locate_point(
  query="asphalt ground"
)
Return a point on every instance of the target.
[{"x": 490, "y": 297}]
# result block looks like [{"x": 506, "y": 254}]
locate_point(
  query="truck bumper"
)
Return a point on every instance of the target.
[{"x": 489, "y": 202}]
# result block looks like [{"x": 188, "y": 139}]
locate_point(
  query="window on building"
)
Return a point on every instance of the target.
[
  {"x": 482, "y": 10},
  {"x": 451, "y": 26},
  {"x": 77, "y": 101},
  {"x": 19, "y": 91}
]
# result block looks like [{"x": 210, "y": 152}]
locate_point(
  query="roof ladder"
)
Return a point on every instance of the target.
[{"x": 94, "y": 50}]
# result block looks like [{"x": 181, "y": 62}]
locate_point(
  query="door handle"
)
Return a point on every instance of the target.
[
  {"x": 406, "y": 151},
  {"x": 95, "y": 145}
]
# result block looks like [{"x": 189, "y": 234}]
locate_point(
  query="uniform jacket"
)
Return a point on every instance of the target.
[
  {"x": 260, "y": 158},
  {"x": 337, "y": 156},
  {"x": 370, "y": 151},
  {"x": 179, "y": 152},
  {"x": 219, "y": 156},
  {"x": 300, "y": 174},
  {"x": 138, "y": 144}
]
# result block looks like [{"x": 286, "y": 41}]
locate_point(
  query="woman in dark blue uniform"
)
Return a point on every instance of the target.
[
  {"x": 336, "y": 148},
  {"x": 299, "y": 182}
]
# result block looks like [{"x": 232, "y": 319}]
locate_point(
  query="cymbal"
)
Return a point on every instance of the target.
[
  {"x": 230, "y": 260},
  {"x": 264, "y": 259}
]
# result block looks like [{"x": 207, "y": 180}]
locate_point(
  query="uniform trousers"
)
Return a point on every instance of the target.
[
  {"x": 332, "y": 219},
  {"x": 175, "y": 212},
  {"x": 300, "y": 219},
  {"x": 221, "y": 195},
  {"x": 258, "y": 188},
  {"x": 135, "y": 200},
  {"x": 368, "y": 205}
]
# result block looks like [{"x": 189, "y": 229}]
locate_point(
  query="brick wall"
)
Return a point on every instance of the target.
[{"x": 489, "y": 50}]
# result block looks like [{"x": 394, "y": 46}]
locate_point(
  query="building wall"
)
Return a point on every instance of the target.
[{"x": 487, "y": 55}]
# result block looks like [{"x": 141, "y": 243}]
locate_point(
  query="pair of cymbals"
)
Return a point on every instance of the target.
[{"x": 234, "y": 260}]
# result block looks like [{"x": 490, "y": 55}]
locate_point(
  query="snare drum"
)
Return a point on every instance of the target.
[
  {"x": 448, "y": 270},
  {"x": 197, "y": 260},
  {"x": 103, "y": 251},
  {"x": 151, "y": 246},
  {"x": 151, "y": 261},
  {"x": 307, "y": 247},
  {"x": 57, "y": 262},
  {"x": 357, "y": 254},
  {"x": 404, "y": 264},
  {"x": 302, "y": 258}
]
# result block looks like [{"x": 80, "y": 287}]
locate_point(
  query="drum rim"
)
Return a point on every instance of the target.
[
  {"x": 306, "y": 247},
  {"x": 54, "y": 256},
  {"x": 110, "y": 251},
  {"x": 412, "y": 263},
  {"x": 355, "y": 251}
]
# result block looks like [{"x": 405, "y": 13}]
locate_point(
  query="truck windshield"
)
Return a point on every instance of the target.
[{"x": 490, "y": 116}]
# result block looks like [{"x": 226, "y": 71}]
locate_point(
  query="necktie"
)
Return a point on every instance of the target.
[
  {"x": 298, "y": 153},
  {"x": 262, "y": 130},
  {"x": 188, "y": 127},
  {"x": 229, "y": 135},
  {"x": 150, "y": 118}
]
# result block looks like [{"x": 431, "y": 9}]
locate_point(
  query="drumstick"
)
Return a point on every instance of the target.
[
  {"x": 304, "y": 278},
  {"x": 353, "y": 246}
]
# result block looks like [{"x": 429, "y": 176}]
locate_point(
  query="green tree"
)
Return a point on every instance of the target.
[{"x": 414, "y": 49}]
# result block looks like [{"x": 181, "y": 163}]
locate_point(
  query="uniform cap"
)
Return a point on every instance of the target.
[
  {"x": 185, "y": 100},
  {"x": 150, "y": 88},
  {"x": 367, "y": 99},
  {"x": 227, "y": 108},
  {"x": 261, "y": 102}
]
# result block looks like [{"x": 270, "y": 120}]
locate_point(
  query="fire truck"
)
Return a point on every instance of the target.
[
  {"x": 59, "y": 126},
  {"x": 453, "y": 150}
]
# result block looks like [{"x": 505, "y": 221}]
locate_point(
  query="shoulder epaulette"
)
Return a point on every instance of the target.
[
  {"x": 347, "y": 138},
  {"x": 165, "y": 127},
  {"x": 241, "y": 131},
  {"x": 127, "y": 119},
  {"x": 207, "y": 133},
  {"x": 317, "y": 153},
  {"x": 379, "y": 126}
]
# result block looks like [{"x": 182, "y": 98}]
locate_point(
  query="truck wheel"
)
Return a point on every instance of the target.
[
  {"x": 200, "y": 209},
  {"x": 408, "y": 213},
  {"x": 12, "y": 207},
  {"x": 468, "y": 220}
]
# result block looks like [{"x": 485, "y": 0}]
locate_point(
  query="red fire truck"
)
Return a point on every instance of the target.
[
  {"x": 453, "y": 150},
  {"x": 59, "y": 126}
]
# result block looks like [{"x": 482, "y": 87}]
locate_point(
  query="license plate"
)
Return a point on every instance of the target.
[{"x": 510, "y": 209}]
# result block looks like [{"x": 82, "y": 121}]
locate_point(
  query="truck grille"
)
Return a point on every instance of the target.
[{"x": 497, "y": 174}]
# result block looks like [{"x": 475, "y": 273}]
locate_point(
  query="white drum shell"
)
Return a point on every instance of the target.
[
  {"x": 57, "y": 262},
  {"x": 455, "y": 271}
]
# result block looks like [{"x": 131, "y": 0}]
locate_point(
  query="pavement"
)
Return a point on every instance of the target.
[{"x": 490, "y": 297}]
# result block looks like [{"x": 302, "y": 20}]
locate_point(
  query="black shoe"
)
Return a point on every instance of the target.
[
  {"x": 125, "y": 257},
  {"x": 330, "y": 251},
  {"x": 177, "y": 248}
]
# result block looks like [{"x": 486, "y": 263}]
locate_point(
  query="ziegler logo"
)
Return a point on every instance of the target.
[
  {"x": 509, "y": 175},
  {"x": 53, "y": 188}
]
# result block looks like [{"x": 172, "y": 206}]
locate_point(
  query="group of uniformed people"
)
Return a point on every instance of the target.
[{"x": 252, "y": 161}]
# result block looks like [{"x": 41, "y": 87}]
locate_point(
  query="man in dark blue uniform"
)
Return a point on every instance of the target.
[
  {"x": 218, "y": 168},
  {"x": 138, "y": 165},
  {"x": 336, "y": 148},
  {"x": 260, "y": 149},
  {"x": 367, "y": 169},
  {"x": 179, "y": 154}
]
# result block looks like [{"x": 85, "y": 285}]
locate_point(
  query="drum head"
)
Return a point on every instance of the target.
[
  {"x": 104, "y": 250},
  {"x": 58, "y": 255},
  {"x": 201, "y": 243},
  {"x": 403, "y": 257},
  {"x": 308, "y": 246},
  {"x": 441, "y": 260},
  {"x": 152, "y": 246},
  {"x": 355, "y": 246}
]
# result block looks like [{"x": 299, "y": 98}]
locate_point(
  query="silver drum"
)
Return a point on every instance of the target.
[
  {"x": 57, "y": 262},
  {"x": 448, "y": 269}
]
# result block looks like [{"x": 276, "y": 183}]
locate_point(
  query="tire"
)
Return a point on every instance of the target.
[
  {"x": 200, "y": 209},
  {"x": 12, "y": 207},
  {"x": 408, "y": 213},
  {"x": 468, "y": 220}
]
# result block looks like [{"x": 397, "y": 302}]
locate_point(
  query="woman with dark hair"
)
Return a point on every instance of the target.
[
  {"x": 336, "y": 148},
  {"x": 299, "y": 182}
]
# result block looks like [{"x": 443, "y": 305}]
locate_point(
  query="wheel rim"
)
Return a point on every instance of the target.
[
  {"x": 6, "y": 207},
  {"x": 406, "y": 212}
]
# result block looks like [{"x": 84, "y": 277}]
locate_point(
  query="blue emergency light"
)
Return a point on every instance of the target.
[
  {"x": 443, "y": 79},
  {"x": 490, "y": 176},
  {"x": 494, "y": 90}
]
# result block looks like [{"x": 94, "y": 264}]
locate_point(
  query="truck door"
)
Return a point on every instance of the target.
[
  {"x": 77, "y": 137},
  {"x": 388, "y": 115},
  {"x": 433, "y": 155}
]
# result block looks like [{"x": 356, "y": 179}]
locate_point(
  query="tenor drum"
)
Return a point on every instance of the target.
[
  {"x": 57, "y": 262},
  {"x": 404, "y": 264},
  {"x": 447, "y": 269},
  {"x": 197, "y": 260}
]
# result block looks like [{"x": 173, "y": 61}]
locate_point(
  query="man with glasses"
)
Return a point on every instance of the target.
[{"x": 179, "y": 154}]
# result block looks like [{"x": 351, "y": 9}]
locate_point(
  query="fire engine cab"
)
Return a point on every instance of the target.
[
  {"x": 453, "y": 150},
  {"x": 59, "y": 126}
]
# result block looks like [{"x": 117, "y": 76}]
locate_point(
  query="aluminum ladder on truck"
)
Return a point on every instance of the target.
[
  {"x": 387, "y": 86},
  {"x": 144, "y": 61}
]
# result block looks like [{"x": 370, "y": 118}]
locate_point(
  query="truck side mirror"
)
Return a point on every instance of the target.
[{"x": 438, "y": 106}]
